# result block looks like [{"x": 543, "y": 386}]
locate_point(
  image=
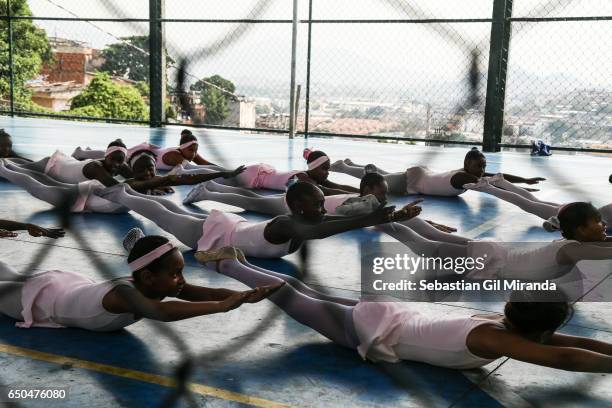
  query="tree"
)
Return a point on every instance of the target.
[
  {"x": 105, "y": 99},
  {"x": 30, "y": 49},
  {"x": 143, "y": 88},
  {"x": 216, "y": 101},
  {"x": 126, "y": 60}
]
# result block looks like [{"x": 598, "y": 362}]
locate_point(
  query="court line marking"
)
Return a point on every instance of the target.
[{"x": 140, "y": 376}]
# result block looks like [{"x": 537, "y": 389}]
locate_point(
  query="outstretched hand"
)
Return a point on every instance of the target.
[
  {"x": 408, "y": 211},
  {"x": 7, "y": 234},
  {"x": 534, "y": 180},
  {"x": 235, "y": 172},
  {"x": 236, "y": 299},
  {"x": 383, "y": 214},
  {"x": 37, "y": 231},
  {"x": 262, "y": 292}
]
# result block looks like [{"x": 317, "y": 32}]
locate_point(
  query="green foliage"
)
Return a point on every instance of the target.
[
  {"x": 216, "y": 80},
  {"x": 102, "y": 98},
  {"x": 216, "y": 101},
  {"x": 30, "y": 49},
  {"x": 125, "y": 60},
  {"x": 170, "y": 111},
  {"x": 143, "y": 88}
]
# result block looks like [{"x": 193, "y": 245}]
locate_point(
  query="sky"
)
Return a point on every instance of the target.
[{"x": 362, "y": 60}]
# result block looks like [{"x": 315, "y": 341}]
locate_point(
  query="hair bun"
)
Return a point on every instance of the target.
[
  {"x": 130, "y": 239},
  {"x": 306, "y": 153},
  {"x": 552, "y": 224}
]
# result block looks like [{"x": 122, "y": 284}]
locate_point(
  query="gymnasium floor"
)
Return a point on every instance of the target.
[{"x": 256, "y": 355}]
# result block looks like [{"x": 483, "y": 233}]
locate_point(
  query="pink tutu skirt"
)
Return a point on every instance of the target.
[
  {"x": 39, "y": 294},
  {"x": 378, "y": 325},
  {"x": 218, "y": 230},
  {"x": 264, "y": 176}
]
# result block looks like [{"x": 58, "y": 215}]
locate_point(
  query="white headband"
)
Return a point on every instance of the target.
[
  {"x": 186, "y": 145},
  {"x": 113, "y": 149},
  {"x": 317, "y": 162},
  {"x": 146, "y": 259},
  {"x": 133, "y": 159}
]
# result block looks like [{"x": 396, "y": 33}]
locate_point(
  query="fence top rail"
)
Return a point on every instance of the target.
[
  {"x": 310, "y": 21},
  {"x": 561, "y": 19},
  {"x": 255, "y": 21}
]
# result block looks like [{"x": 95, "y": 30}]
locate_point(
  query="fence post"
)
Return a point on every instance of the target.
[
  {"x": 307, "y": 116},
  {"x": 157, "y": 63},
  {"x": 293, "y": 56},
  {"x": 496, "y": 81},
  {"x": 10, "y": 59}
]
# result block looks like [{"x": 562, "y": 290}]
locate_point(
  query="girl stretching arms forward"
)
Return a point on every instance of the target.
[
  {"x": 267, "y": 239},
  {"x": 167, "y": 158},
  {"x": 67, "y": 299},
  {"x": 395, "y": 331},
  {"x": 421, "y": 180}
]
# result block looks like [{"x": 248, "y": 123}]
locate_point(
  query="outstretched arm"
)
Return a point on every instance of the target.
[
  {"x": 181, "y": 179},
  {"x": 193, "y": 293},
  {"x": 125, "y": 299},
  {"x": 126, "y": 171},
  {"x": 518, "y": 179},
  {"x": 505, "y": 343},
  {"x": 579, "y": 251},
  {"x": 286, "y": 228},
  {"x": 563, "y": 340},
  {"x": 33, "y": 230},
  {"x": 340, "y": 187},
  {"x": 14, "y": 155},
  {"x": 95, "y": 171}
]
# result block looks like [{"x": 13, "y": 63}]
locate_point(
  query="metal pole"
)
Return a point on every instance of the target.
[
  {"x": 496, "y": 82},
  {"x": 296, "y": 107},
  {"x": 157, "y": 63},
  {"x": 293, "y": 55},
  {"x": 10, "y": 60},
  {"x": 307, "y": 117}
]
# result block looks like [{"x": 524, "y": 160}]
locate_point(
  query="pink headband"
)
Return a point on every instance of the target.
[
  {"x": 113, "y": 149},
  {"x": 146, "y": 259},
  {"x": 186, "y": 145},
  {"x": 317, "y": 162}
]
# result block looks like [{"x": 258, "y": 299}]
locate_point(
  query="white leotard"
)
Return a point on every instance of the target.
[
  {"x": 67, "y": 299},
  {"x": 159, "y": 163},
  {"x": 226, "y": 229},
  {"x": 421, "y": 180},
  {"x": 159, "y": 154},
  {"x": 394, "y": 331},
  {"x": 66, "y": 169},
  {"x": 525, "y": 260}
]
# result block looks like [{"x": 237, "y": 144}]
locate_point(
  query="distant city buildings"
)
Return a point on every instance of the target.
[{"x": 580, "y": 118}]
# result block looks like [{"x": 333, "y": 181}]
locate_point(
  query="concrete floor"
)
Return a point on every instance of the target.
[{"x": 256, "y": 355}]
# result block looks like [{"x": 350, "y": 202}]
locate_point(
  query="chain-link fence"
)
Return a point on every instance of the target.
[
  {"x": 559, "y": 83},
  {"x": 386, "y": 69}
]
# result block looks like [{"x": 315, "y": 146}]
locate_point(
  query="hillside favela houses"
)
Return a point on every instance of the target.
[{"x": 73, "y": 67}]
